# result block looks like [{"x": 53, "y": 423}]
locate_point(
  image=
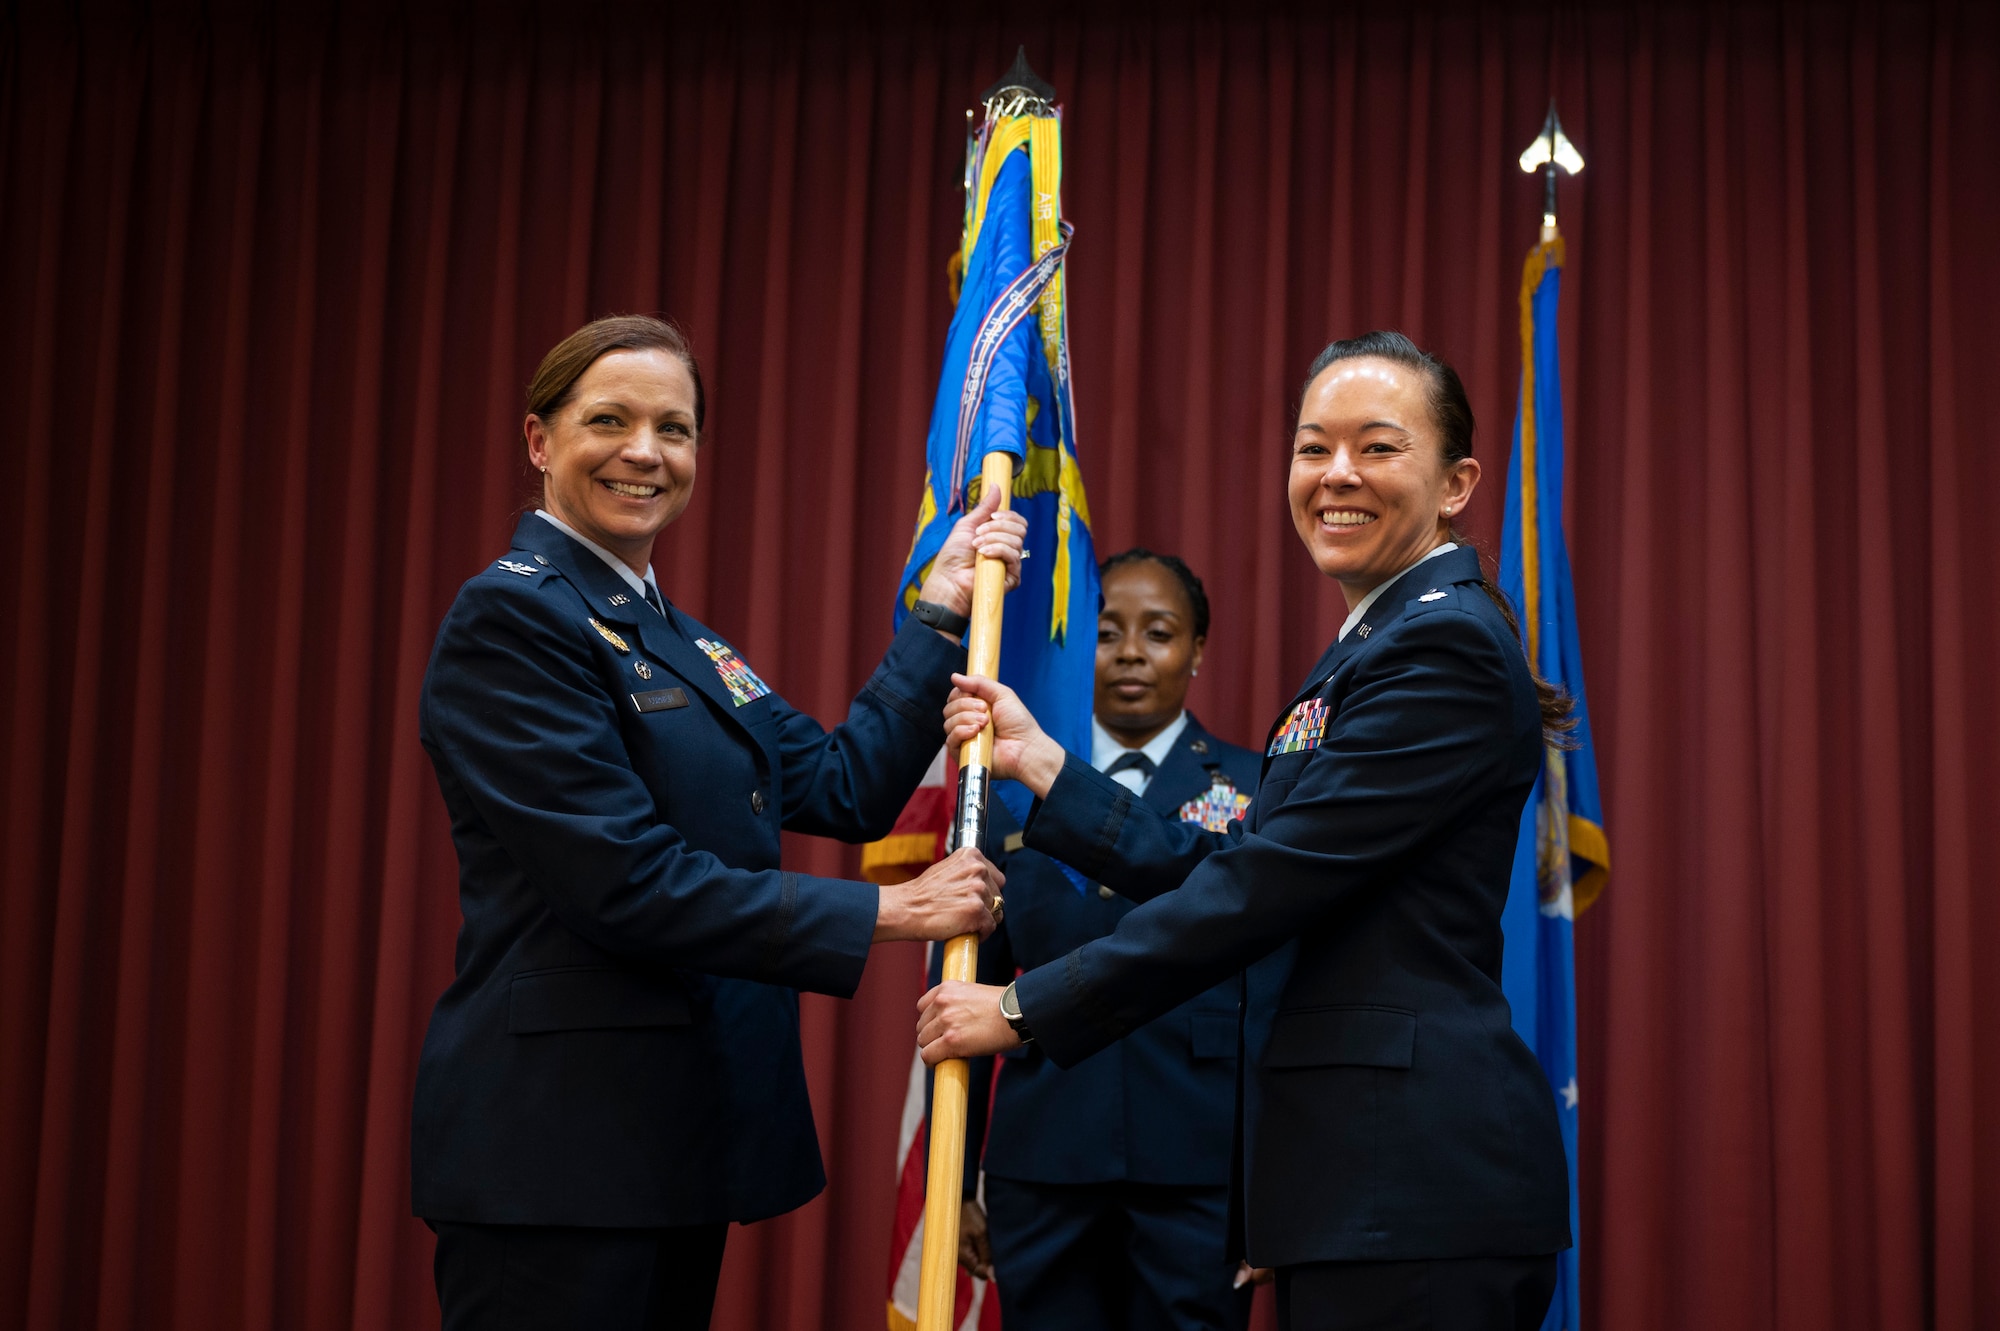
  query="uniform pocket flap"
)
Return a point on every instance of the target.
[
  {"x": 1214, "y": 1034},
  {"x": 591, "y": 998},
  {"x": 1369, "y": 1037}
]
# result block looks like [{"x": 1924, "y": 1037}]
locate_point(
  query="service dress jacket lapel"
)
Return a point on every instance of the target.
[{"x": 664, "y": 641}]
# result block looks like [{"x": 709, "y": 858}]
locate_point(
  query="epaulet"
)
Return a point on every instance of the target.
[
  {"x": 524, "y": 564},
  {"x": 1434, "y": 598}
]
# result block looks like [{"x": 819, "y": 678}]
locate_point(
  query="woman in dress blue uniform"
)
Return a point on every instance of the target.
[
  {"x": 614, "y": 1074},
  {"x": 1402, "y": 1163},
  {"x": 1108, "y": 1182}
]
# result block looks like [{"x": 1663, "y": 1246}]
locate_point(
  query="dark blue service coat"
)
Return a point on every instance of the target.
[
  {"x": 1160, "y": 1105},
  {"x": 1392, "y": 1112},
  {"x": 620, "y": 1045}
]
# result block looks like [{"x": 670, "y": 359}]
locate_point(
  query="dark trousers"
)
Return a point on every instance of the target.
[
  {"x": 555, "y": 1277},
  {"x": 1455, "y": 1294},
  {"x": 1112, "y": 1257}
]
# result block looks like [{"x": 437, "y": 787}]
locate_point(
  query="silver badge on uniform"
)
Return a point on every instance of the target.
[
  {"x": 1432, "y": 595},
  {"x": 525, "y": 570},
  {"x": 643, "y": 670}
]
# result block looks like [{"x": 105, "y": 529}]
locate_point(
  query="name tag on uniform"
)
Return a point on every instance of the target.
[
  {"x": 738, "y": 678},
  {"x": 660, "y": 700},
  {"x": 1303, "y": 729}
]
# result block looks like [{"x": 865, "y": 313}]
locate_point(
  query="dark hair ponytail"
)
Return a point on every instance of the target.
[{"x": 1451, "y": 410}]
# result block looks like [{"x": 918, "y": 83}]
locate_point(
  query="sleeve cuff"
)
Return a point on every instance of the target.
[
  {"x": 1080, "y": 820},
  {"x": 1059, "y": 1007},
  {"x": 826, "y": 930},
  {"x": 919, "y": 660}
]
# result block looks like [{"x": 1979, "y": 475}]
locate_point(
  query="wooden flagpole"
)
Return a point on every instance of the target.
[{"x": 951, "y": 1082}]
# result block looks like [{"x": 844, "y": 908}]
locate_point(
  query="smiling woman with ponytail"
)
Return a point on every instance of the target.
[{"x": 1402, "y": 1164}]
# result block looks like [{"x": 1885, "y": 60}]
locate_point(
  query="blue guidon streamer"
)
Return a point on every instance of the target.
[{"x": 1007, "y": 311}]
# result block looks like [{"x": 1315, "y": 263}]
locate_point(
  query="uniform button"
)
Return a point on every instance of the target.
[
  {"x": 756, "y": 801},
  {"x": 1105, "y": 892}
]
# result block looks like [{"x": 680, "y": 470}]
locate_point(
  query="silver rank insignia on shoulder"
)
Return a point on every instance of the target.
[
  {"x": 643, "y": 670},
  {"x": 525, "y": 570},
  {"x": 1432, "y": 595},
  {"x": 1363, "y": 631},
  {"x": 620, "y": 599},
  {"x": 543, "y": 562},
  {"x": 609, "y": 636}
]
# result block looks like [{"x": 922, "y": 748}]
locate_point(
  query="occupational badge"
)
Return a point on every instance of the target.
[
  {"x": 1303, "y": 729},
  {"x": 1216, "y": 806},
  {"x": 642, "y": 670},
  {"x": 608, "y": 635},
  {"x": 741, "y": 680}
]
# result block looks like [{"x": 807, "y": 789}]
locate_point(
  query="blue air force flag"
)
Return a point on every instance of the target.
[{"x": 1562, "y": 857}]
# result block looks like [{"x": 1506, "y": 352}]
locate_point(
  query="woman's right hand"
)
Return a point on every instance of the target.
[
  {"x": 1022, "y": 750},
  {"x": 954, "y": 896}
]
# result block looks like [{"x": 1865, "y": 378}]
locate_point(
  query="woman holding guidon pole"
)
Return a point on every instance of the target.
[
  {"x": 1402, "y": 1164},
  {"x": 614, "y": 1073}
]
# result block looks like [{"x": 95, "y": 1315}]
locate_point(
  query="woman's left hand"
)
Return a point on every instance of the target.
[
  {"x": 960, "y": 1020},
  {"x": 983, "y": 531}
]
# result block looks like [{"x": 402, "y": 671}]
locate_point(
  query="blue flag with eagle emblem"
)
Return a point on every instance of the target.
[
  {"x": 1562, "y": 857},
  {"x": 1005, "y": 387}
]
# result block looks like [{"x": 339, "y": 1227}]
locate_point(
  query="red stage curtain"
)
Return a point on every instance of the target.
[{"x": 273, "y": 278}]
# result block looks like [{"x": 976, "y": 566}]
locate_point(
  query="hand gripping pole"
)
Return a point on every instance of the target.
[{"x": 951, "y": 1080}]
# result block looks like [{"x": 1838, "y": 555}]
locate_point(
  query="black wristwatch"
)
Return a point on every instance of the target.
[
  {"x": 939, "y": 618},
  {"x": 1010, "y": 1008}
]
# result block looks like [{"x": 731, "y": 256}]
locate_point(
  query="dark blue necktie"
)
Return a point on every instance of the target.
[
  {"x": 653, "y": 599},
  {"x": 1133, "y": 761}
]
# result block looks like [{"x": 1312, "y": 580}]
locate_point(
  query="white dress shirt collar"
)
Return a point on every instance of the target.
[
  {"x": 613, "y": 562},
  {"x": 1105, "y": 749},
  {"x": 1354, "y": 615}
]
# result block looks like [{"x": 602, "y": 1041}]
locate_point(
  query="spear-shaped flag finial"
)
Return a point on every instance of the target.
[
  {"x": 1023, "y": 80},
  {"x": 1551, "y": 149}
]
